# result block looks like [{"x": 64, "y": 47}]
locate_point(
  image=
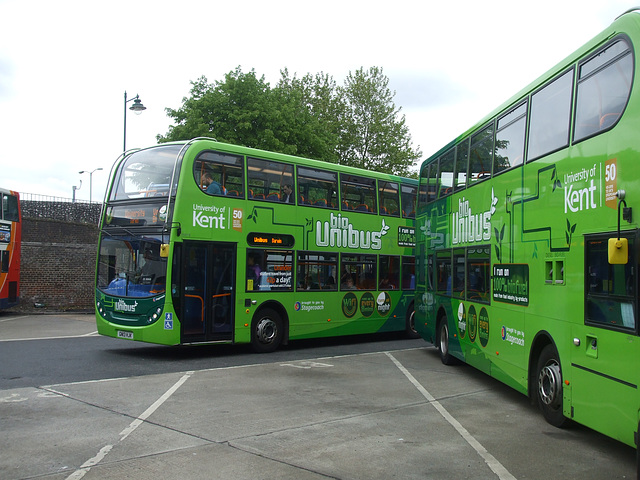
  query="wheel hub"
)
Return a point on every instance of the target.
[
  {"x": 266, "y": 330},
  {"x": 550, "y": 384}
]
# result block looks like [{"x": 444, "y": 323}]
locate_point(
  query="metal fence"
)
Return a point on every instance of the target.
[{"x": 36, "y": 197}]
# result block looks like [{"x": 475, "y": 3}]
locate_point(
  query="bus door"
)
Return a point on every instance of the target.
[
  {"x": 208, "y": 294},
  {"x": 606, "y": 347}
]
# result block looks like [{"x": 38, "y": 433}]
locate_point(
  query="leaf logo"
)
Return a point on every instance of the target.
[
  {"x": 385, "y": 228},
  {"x": 494, "y": 202}
]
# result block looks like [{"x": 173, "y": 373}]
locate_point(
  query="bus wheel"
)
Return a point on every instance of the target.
[
  {"x": 411, "y": 324},
  {"x": 549, "y": 386},
  {"x": 443, "y": 342},
  {"x": 266, "y": 331}
]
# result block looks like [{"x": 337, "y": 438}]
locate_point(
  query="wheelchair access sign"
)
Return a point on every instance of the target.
[{"x": 168, "y": 321}]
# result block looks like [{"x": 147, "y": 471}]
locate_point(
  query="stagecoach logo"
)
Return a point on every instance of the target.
[
  {"x": 467, "y": 226},
  {"x": 339, "y": 232},
  {"x": 513, "y": 336},
  {"x": 122, "y": 306}
]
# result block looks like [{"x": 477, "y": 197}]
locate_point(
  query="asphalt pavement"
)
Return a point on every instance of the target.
[{"x": 378, "y": 415}]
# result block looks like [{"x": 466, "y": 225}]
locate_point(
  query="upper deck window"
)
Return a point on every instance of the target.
[
  {"x": 358, "y": 193},
  {"x": 218, "y": 173},
  {"x": 389, "y": 198},
  {"x": 604, "y": 85},
  {"x": 510, "y": 139},
  {"x": 550, "y": 117},
  {"x": 146, "y": 173},
  {"x": 271, "y": 181},
  {"x": 462, "y": 165},
  {"x": 317, "y": 187},
  {"x": 446, "y": 173},
  {"x": 408, "y": 193},
  {"x": 481, "y": 155},
  {"x": 9, "y": 207}
]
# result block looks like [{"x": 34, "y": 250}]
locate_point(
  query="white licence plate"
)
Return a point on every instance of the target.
[{"x": 127, "y": 335}]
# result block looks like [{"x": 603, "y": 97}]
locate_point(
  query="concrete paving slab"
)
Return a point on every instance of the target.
[
  {"x": 25, "y": 327},
  {"x": 348, "y": 417}
]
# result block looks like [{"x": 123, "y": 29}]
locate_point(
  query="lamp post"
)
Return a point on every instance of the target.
[
  {"x": 137, "y": 107},
  {"x": 90, "y": 179},
  {"x": 75, "y": 189}
]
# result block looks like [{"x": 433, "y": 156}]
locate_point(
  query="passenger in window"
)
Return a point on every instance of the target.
[
  {"x": 253, "y": 271},
  {"x": 210, "y": 186},
  {"x": 385, "y": 284},
  {"x": 348, "y": 284},
  {"x": 287, "y": 193},
  {"x": 330, "y": 284}
]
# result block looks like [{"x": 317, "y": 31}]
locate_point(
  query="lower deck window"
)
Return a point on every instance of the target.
[{"x": 611, "y": 289}]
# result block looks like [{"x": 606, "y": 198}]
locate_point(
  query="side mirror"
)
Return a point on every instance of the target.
[
  {"x": 164, "y": 250},
  {"x": 618, "y": 251}
]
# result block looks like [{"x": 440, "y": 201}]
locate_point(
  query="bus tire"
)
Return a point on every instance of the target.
[
  {"x": 549, "y": 386},
  {"x": 267, "y": 331},
  {"x": 442, "y": 343},
  {"x": 411, "y": 324}
]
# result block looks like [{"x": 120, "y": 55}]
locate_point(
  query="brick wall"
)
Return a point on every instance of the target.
[{"x": 59, "y": 246}]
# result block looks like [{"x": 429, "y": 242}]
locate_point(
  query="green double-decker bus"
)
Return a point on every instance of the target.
[
  {"x": 528, "y": 245},
  {"x": 205, "y": 242}
]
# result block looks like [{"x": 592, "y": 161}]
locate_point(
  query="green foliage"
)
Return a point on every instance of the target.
[
  {"x": 374, "y": 136},
  {"x": 356, "y": 124}
]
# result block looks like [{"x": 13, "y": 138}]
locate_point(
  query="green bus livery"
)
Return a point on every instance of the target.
[
  {"x": 527, "y": 250},
  {"x": 205, "y": 242}
]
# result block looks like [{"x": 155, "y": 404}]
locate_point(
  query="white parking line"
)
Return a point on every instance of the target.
[
  {"x": 490, "y": 460},
  {"x": 2, "y": 320},
  {"x": 104, "y": 451},
  {"x": 90, "y": 334}
]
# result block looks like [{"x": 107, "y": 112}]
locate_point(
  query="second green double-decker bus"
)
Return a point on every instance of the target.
[
  {"x": 204, "y": 242},
  {"x": 528, "y": 244}
]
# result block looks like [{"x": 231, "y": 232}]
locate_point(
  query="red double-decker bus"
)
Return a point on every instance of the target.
[{"x": 10, "y": 239}]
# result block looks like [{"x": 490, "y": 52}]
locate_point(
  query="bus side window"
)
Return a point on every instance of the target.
[
  {"x": 267, "y": 179},
  {"x": 317, "y": 187},
  {"x": 481, "y": 155},
  {"x": 549, "y": 117},
  {"x": 388, "y": 198},
  {"x": 604, "y": 85},
  {"x": 509, "y": 149},
  {"x": 462, "y": 165},
  {"x": 610, "y": 288},
  {"x": 408, "y": 195},
  {"x": 217, "y": 173},
  {"x": 446, "y": 173},
  {"x": 359, "y": 193},
  {"x": 317, "y": 271}
]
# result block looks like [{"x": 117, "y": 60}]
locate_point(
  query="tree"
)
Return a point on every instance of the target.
[
  {"x": 356, "y": 124},
  {"x": 374, "y": 135},
  {"x": 238, "y": 110},
  {"x": 311, "y": 103}
]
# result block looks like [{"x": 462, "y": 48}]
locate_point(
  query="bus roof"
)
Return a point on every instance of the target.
[{"x": 265, "y": 154}]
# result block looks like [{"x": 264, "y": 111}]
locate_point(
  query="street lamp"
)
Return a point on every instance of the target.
[
  {"x": 75, "y": 189},
  {"x": 90, "y": 179},
  {"x": 137, "y": 107}
]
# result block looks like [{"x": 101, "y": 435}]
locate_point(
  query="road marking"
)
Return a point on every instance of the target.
[
  {"x": 490, "y": 460},
  {"x": 306, "y": 364},
  {"x": 90, "y": 334},
  {"x": 2, "y": 320},
  {"x": 104, "y": 451},
  {"x": 13, "y": 398}
]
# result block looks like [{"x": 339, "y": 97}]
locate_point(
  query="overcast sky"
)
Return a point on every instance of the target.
[{"x": 65, "y": 65}]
